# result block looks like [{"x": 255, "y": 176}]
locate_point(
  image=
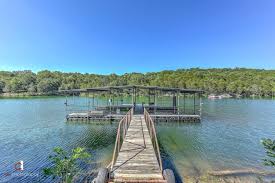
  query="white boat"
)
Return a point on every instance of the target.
[{"x": 212, "y": 96}]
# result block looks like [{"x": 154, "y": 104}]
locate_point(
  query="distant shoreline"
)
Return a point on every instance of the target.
[
  {"x": 238, "y": 82},
  {"x": 23, "y": 95},
  {"x": 57, "y": 94}
]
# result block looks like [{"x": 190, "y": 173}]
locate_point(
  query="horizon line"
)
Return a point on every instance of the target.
[{"x": 134, "y": 72}]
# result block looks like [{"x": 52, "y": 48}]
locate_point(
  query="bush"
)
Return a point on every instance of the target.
[
  {"x": 65, "y": 165},
  {"x": 269, "y": 145}
]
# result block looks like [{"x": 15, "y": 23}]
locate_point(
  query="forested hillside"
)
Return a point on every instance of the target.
[{"x": 239, "y": 81}]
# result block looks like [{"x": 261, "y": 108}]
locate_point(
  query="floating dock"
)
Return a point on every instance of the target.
[
  {"x": 180, "y": 104},
  {"x": 89, "y": 117}
]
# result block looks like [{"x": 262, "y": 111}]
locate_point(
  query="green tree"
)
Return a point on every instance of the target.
[
  {"x": 269, "y": 146},
  {"x": 255, "y": 89},
  {"x": 44, "y": 74},
  {"x": 2, "y": 86},
  {"x": 15, "y": 85},
  {"x": 32, "y": 88},
  {"x": 27, "y": 78},
  {"x": 48, "y": 85},
  {"x": 65, "y": 165},
  {"x": 241, "y": 81}
]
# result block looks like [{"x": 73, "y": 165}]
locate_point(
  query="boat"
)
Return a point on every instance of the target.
[{"x": 212, "y": 96}]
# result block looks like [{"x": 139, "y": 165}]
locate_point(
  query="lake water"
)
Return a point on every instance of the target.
[{"x": 228, "y": 137}]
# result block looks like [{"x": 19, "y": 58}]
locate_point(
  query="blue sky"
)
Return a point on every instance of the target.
[{"x": 119, "y": 36}]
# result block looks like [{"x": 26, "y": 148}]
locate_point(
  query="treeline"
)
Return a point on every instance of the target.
[{"x": 238, "y": 81}]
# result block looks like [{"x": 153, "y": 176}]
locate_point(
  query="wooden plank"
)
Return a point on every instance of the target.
[{"x": 137, "y": 160}]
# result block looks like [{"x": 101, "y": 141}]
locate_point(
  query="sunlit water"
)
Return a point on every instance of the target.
[{"x": 228, "y": 137}]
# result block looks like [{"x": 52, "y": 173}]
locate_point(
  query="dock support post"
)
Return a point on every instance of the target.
[
  {"x": 134, "y": 97},
  {"x": 110, "y": 101},
  {"x": 155, "y": 101},
  {"x": 178, "y": 102},
  {"x": 73, "y": 99},
  {"x": 184, "y": 103},
  {"x": 174, "y": 102},
  {"x": 194, "y": 103},
  {"x": 149, "y": 101},
  {"x": 87, "y": 101},
  {"x": 66, "y": 102},
  {"x": 93, "y": 102},
  {"x": 113, "y": 100},
  {"x": 200, "y": 105},
  {"x": 121, "y": 99}
]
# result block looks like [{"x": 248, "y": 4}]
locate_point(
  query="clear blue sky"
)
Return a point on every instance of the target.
[{"x": 119, "y": 36}]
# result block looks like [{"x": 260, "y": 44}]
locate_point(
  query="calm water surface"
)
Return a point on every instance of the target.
[{"x": 227, "y": 138}]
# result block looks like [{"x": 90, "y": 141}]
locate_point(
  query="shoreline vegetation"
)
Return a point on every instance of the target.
[
  {"x": 237, "y": 82},
  {"x": 26, "y": 95}
]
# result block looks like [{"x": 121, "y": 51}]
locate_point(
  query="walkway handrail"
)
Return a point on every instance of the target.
[
  {"x": 152, "y": 132},
  {"x": 121, "y": 133}
]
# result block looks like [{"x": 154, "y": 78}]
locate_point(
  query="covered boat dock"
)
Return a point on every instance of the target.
[{"x": 112, "y": 102}]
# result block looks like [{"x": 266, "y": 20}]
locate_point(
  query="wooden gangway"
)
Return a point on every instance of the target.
[{"x": 136, "y": 156}]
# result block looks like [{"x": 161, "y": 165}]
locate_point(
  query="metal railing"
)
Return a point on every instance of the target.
[
  {"x": 152, "y": 132},
  {"x": 121, "y": 133}
]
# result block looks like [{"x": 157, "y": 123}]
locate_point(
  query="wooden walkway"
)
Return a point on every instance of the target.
[{"x": 137, "y": 158}]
